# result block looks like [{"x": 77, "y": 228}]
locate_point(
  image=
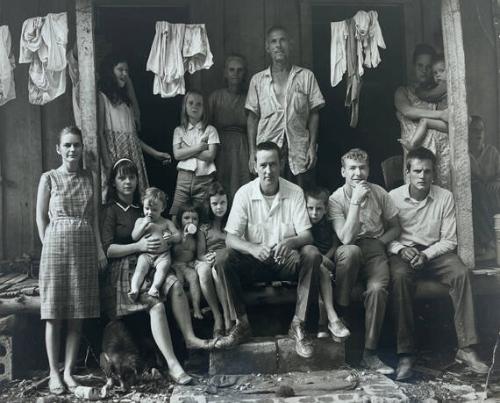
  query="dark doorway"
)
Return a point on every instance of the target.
[
  {"x": 130, "y": 31},
  {"x": 378, "y": 129}
]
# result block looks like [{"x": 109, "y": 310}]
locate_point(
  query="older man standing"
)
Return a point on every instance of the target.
[
  {"x": 268, "y": 238},
  {"x": 426, "y": 248},
  {"x": 364, "y": 215},
  {"x": 283, "y": 103}
]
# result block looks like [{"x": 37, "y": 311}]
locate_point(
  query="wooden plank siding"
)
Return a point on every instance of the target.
[{"x": 28, "y": 133}]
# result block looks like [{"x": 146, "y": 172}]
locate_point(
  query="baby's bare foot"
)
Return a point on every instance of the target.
[
  {"x": 197, "y": 313},
  {"x": 153, "y": 291},
  {"x": 133, "y": 295}
]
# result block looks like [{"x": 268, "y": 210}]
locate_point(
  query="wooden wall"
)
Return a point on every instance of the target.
[{"x": 27, "y": 132}]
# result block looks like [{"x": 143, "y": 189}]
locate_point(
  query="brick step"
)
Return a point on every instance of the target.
[{"x": 275, "y": 355}]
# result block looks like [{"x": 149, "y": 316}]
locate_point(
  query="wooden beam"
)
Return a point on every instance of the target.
[
  {"x": 88, "y": 101},
  {"x": 458, "y": 127},
  {"x": 495, "y": 7}
]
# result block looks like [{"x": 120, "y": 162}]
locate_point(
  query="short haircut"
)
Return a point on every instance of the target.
[
  {"x": 318, "y": 193},
  {"x": 423, "y": 49},
  {"x": 155, "y": 195},
  {"x": 187, "y": 208},
  {"x": 438, "y": 58},
  {"x": 420, "y": 153},
  {"x": 268, "y": 146},
  {"x": 356, "y": 154},
  {"x": 276, "y": 28},
  {"x": 184, "y": 116},
  {"x": 70, "y": 130}
]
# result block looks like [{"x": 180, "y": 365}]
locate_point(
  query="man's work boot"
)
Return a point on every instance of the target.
[
  {"x": 405, "y": 367},
  {"x": 469, "y": 358},
  {"x": 240, "y": 333},
  {"x": 371, "y": 361}
]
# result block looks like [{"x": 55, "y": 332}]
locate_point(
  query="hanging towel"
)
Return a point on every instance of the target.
[
  {"x": 43, "y": 44},
  {"x": 177, "y": 48},
  {"x": 354, "y": 80},
  {"x": 369, "y": 36},
  {"x": 7, "y": 64},
  {"x": 338, "y": 57}
]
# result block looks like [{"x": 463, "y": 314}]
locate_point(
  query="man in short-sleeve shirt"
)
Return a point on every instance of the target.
[
  {"x": 282, "y": 104},
  {"x": 426, "y": 248},
  {"x": 269, "y": 238},
  {"x": 364, "y": 215}
]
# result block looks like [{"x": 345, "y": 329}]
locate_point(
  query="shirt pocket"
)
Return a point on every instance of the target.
[{"x": 300, "y": 102}]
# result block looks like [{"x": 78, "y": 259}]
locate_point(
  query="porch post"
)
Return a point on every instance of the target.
[
  {"x": 87, "y": 100},
  {"x": 458, "y": 127}
]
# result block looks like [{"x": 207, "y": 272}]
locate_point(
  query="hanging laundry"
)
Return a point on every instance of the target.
[
  {"x": 354, "y": 45},
  {"x": 7, "y": 65},
  {"x": 43, "y": 44},
  {"x": 74, "y": 75},
  {"x": 177, "y": 48},
  {"x": 338, "y": 57}
]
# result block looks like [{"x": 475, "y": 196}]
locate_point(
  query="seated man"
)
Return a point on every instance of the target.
[
  {"x": 364, "y": 215},
  {"x": 268, "y": 238},
  {"x": 485, "y": 186},
  {"x": 426, "y": 248}
]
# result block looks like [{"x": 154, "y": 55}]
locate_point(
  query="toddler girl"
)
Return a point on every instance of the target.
[
  {"x": 66, "y": 217},
  {"x": 154, "y": 202},
  {"x": 185, "y": 252},
  {"x": 211, "y": 240},
  {"x": 195, "y": 145}
]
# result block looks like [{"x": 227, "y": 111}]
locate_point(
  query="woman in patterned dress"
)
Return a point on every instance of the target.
[
  {"x": 118, "y": 123},
  {"x": 121, "y": 213},
  {"x": 227, "y": 113},
  {"x": 71, "y": 254}
]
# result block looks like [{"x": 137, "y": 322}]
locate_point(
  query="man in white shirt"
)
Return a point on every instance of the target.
[
  {"x": 426, "y": 248},
  {"x": 269, "y": 238}
]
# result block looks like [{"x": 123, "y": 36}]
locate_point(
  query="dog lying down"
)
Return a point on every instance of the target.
[{"x": 122, "y": 360}]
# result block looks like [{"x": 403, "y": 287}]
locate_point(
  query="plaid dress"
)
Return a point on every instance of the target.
[{"x": 68, "y": 267}]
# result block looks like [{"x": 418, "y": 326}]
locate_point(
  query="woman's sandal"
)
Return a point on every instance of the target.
[
  {"x": 182, "y": 379},
  {"x": 219, "y": 332},
  {"x": 208, "y": 345}
]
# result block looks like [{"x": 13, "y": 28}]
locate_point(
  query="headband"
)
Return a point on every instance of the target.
[{"x": 122, "y": 160}]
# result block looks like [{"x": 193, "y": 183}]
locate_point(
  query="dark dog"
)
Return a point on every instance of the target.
[{"x": 121, "y": 359}]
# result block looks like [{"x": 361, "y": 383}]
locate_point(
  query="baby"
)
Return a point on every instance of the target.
[
  {"x": 153, "y": 224},
  {"x": 437, "y": 96},
  {"x": 185, "y": 253}
]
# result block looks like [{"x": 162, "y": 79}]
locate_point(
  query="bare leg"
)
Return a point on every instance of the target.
[
  {"x": 222, "y": 295},
  {"x": 195, "y": 291},
  {"x": 417, "y": 137},
  {"x": 208, "y": 289},
  {"x": 159, "y": 278},
  {"x": 72, "y": 347},
  {"x": 137, "y": 279},
  {"x": 180, "y": 308},
  {"x": 326, "y": 293},
  {"x": 52, "y": 344},
  {"x": 161, "y": 335}
]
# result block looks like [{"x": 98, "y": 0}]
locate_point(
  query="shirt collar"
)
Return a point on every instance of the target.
[
  {"x": 256, "y": 193},
  {"x": 293, "y": 71},
  {"x": 191, "y": 126},
  {"x": 125, "y": 207},
  {"x": 406, "y": 193}
]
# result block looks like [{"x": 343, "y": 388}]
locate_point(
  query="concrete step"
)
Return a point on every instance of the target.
[{"x": 275, "y": 355}]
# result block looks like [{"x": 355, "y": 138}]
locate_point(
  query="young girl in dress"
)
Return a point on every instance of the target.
[
  {"x": 185, "y": 252},
  {"x": 195, "y": 145},
  {"x": 66, "y": 217},
  {"x": 119, "y": 123},
  {"x": 212, "y": 239}
]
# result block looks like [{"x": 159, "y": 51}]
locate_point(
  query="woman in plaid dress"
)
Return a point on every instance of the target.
[{"x": 71, "y": 252}]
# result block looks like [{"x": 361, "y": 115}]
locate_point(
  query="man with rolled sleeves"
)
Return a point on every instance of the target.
[
  {"x": 364, "y": 215},
  {"x": 269, "y": 238},
  {"x": 426, "y": 248}
]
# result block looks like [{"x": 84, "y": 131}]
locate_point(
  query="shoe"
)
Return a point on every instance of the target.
[
  {"x": 57, "y": 390},
  {"x": 405, "y": 368},
  {"x": 323, "y": 331},
  {"x": 338, "y": 330},
  {"x": 240, "y": 333},
  {"x": 472, "y": 361},
  {"x": 303, "y": 347},
  {"x": 218, "y": 333},
  {"x": 208, "y": 345},
  {"x": 182, "y": 379},
  {"x": 374, "y": 363}
]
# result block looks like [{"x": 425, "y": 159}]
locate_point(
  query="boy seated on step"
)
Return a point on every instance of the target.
[{"x": 326, "y": 241}]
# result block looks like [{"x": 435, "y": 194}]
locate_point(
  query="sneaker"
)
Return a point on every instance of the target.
[
  {"x": 338, "y": 330},
  {"x": 303, "y": 347},
  {"x": 472, "y": 361},
  {"x": 374, "y": 363},
  {"x": 323, "y": 332}
]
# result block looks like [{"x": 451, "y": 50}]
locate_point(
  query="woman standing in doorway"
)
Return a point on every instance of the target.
[
  {"x": 227, "y": 113},
  {"x": 119, "y": 123}
]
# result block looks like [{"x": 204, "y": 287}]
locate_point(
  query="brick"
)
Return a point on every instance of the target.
[
  {"x": 257, "y": 356},
  {"x": 327, "y": 355},
  {"x": 6, "y": 358}
]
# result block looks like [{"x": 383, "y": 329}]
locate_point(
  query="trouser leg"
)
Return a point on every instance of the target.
[{"x": 348, "y": 260}]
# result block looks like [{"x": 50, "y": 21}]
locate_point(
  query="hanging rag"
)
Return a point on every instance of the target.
[
  {"x": 354, "y": 80},
  {"x": 369, "y": 36},
  {"x": 74, "y": 75},
  {"x": 338, "y": 57},
  {"x": 7, "y": 65},
  {"x": 177, "y": 48},
  {"x": 43, "y": 44}
]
